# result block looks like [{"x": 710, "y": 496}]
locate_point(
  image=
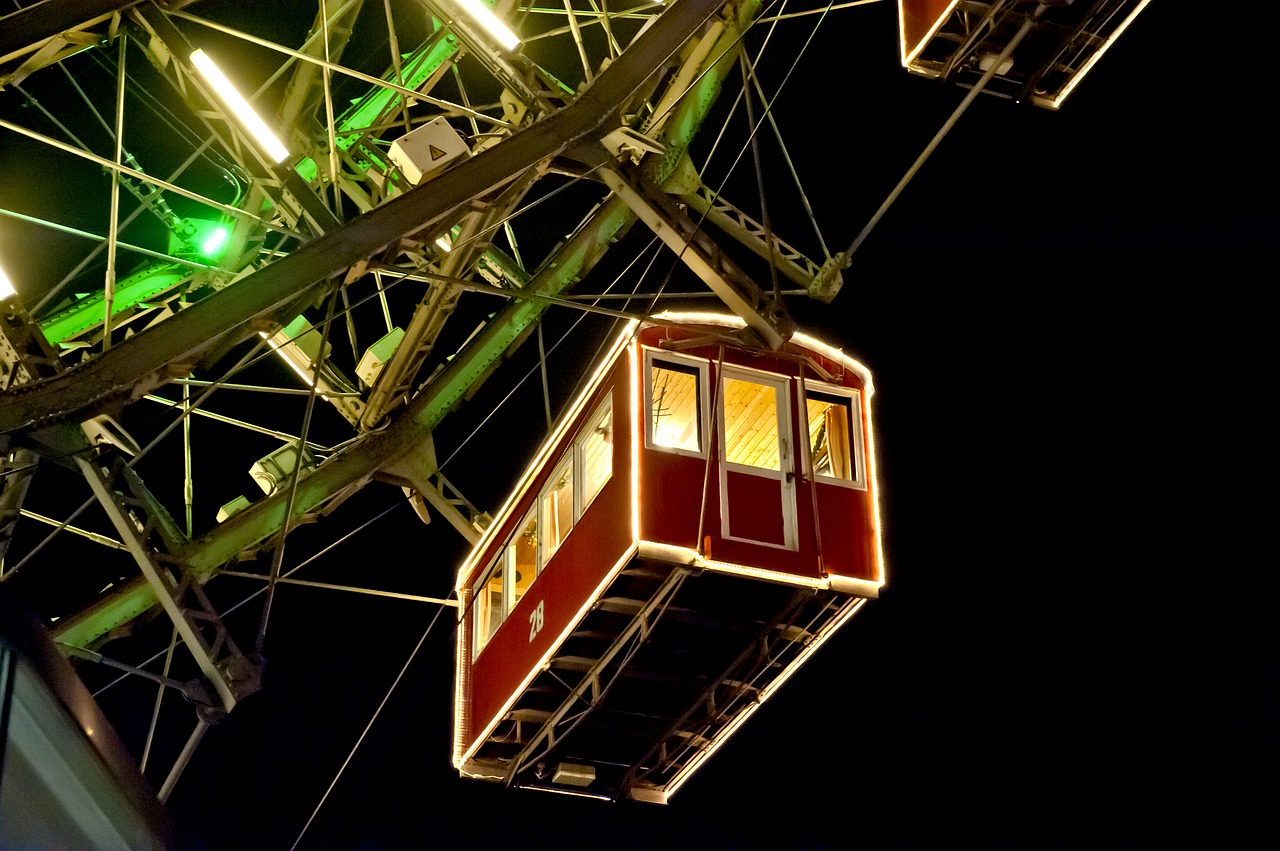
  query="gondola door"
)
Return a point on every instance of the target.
[{"x": 757, "y": 458}]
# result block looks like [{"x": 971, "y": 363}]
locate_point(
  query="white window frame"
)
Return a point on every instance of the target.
[
  {"x": 702, "y": 365},
  {"x": 568, "y": 458},
  {"x": 857, "y": 446},
  {"x": 505, "y": 559},
  {"x": 499, "y": 563},
  {"x": 787, "y": 461},
  {"x": 580, "y": 457}
]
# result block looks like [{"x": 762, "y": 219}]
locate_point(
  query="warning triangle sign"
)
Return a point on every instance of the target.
[{"x": 436, "y": 153}]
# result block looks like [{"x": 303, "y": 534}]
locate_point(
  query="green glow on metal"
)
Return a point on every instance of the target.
[
  {"x": 199, "y": 238},
  {"x": 350, "y": 128},
  {"x": 137, "y": 288},
  {"x": 695, "y": 105},
  {"x": 249, "y": 529},
  {"x": 88, "y": 628}
]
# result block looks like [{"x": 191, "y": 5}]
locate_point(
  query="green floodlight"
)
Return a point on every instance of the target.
[
  {"x": 215, "y": 242},
  {"x": 203, "y": 239}
]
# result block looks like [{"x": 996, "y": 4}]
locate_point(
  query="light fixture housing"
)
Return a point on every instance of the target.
[
  {"x": 484, "y": 16},
  {"x": 239, "y": 106}
]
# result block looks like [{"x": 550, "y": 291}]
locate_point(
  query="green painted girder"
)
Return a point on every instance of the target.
[
  {"x": 680, "y": 128},
  {"x": 249, "y": 528},
  {"x": 139, "y": 288},
  {"x": 137, "y": 362},
  {"x": 354, "y": 123}
]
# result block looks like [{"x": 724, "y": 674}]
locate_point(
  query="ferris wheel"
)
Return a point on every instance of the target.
[{"x": 261, "y": 257}]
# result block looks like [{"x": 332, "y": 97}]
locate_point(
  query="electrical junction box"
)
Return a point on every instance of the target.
[
  {"x": 425, "y": 150},
  {"x": 377, "y": 355},
  {"x": 574, "y": 775},
  {"x": 274, "y": 470}
]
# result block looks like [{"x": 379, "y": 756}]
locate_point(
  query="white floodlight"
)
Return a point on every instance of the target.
[
  {"x": 239, "y": 106},
  {"x": 484, "y": 16},
  {"x": 6, "y": 287}
]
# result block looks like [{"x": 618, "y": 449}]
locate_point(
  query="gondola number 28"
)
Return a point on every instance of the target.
[{"x": 536, "y": 620}]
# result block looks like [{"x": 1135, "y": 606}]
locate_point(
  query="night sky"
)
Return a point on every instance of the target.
[
  {"x": 1064, "y": 314},
  {"x": 1060, "y": 315}
]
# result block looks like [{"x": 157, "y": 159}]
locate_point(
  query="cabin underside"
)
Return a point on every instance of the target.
[{"x": 663, "y": 668}]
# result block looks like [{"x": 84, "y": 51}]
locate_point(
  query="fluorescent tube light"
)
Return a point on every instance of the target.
[
  {"x": 6, "y": 288},
  {"x": 239, "y": 106},
  {"x": 484, "y": 16}
]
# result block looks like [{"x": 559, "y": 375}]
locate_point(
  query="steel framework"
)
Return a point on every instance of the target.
[{"x": 169, "y": 266}]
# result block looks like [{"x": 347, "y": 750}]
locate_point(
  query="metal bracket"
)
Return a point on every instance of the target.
[{"x": 232, "y": 674}]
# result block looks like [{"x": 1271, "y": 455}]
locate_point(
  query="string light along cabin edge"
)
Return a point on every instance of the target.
[{"x": 701, "y": 519}]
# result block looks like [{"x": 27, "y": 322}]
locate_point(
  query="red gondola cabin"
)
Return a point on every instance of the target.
[{"x": 702, "y": 518}]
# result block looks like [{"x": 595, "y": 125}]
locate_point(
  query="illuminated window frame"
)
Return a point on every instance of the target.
[
  {"x": 481, "y": 608},
  {"x": 857, "y": 445},
  {"x": 531, "y": 525},
  {"x": 604, "y": 411},
  {"x": 505, "y": 562},
  {"x": 577, "y": 457},
  {"x": 565, "y": 469},
  {"x": 701, "y": 367},
  {"x": 781, "y": 387}
]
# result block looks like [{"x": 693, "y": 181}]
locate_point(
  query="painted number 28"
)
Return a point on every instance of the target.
[{"x": 535, "y": 621}]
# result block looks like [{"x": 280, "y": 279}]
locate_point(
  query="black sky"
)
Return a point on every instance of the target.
[{"x": 1065, "y": 316}]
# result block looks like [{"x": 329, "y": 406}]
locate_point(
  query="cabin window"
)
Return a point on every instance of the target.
[
  {"x": 504, "y": 584},
  {"x": 595, "y": 449},
  {"x": 751, "y": 424},
  {"x": 675, "y": 404},
  {"x": 835, "y": 436},
  {"x": 557, "y": 508},
  {"x": 489, "y": 607},
  {"x": 585, "y": 469},
  {"x": 522, "y": 560}
]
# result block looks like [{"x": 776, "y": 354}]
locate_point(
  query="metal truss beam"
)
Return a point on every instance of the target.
[
  {"x": 752, "y": 234},
  {"x": 762, "y": 313},
  {"x": 231, "y": 674},
  {"x": 138, "y": 365},
  {"x": 50, "y": 30},
  {"x": 592, "y": 115},
  {"x": 635, "y": 633},
  {"x": 395, "y": 381}
]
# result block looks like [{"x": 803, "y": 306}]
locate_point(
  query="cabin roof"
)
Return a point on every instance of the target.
[{"x": 800, "y": 340}]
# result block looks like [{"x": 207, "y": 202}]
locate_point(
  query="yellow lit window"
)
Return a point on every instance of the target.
[
  {"x": 489, "y": 608},
  {"x": 522, "y": 560},
  {"x": 835, "y": 436},
  {"x": 596, "y": 449},
  {"x": 675, "y": 409},
  {"x": 751, "y": 424},
  {"x": 557, "y": 508},
  {"x": 505, "y": 583}
]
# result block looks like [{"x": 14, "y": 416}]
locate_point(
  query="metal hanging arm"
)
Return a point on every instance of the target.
[{"x": 844, "y": 259}]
